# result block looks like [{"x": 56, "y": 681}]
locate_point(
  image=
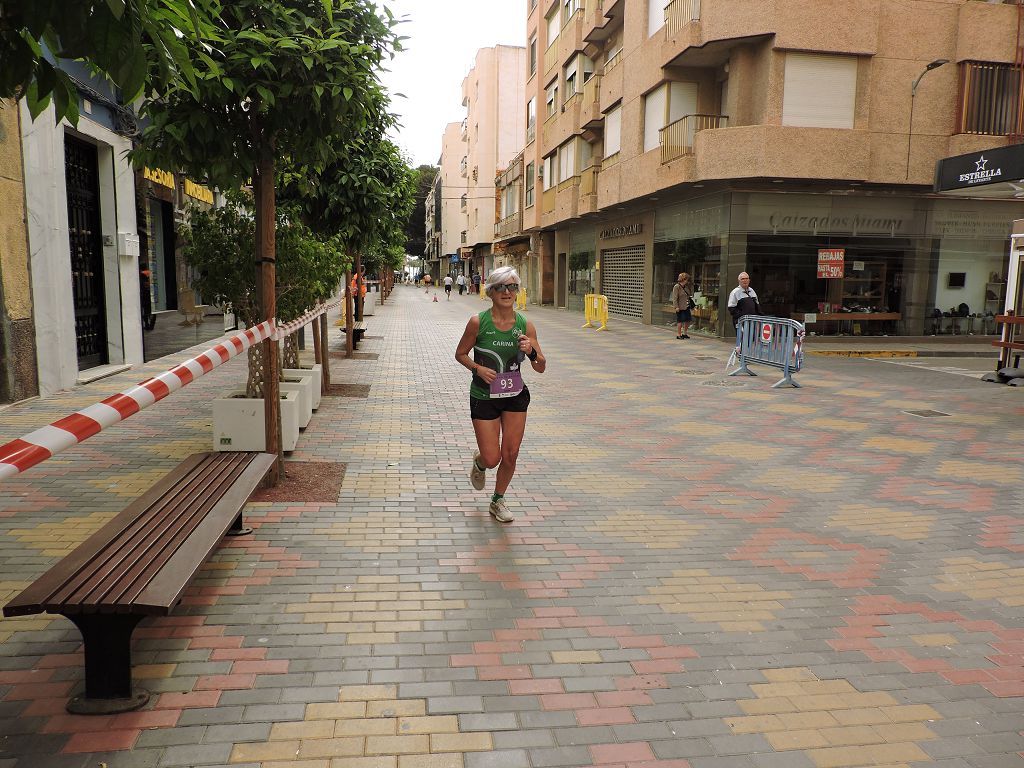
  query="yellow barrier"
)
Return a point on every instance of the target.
[
  {"x": 595, "y": 309},
  {"x": 483, "y": 293},
  {"x": 521, "y": 300}
]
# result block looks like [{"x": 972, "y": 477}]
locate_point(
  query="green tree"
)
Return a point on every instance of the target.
[
  {"x": 289, "y": 78},
  {"x": 136, "y": 43},
  {"x": 416, "y": 225}
]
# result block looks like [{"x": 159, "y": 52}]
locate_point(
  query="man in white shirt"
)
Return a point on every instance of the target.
[
  {"x": 743, "y": 300},
  {"x": 448, "y": 286},
  {"x": 461, "y": 282}
]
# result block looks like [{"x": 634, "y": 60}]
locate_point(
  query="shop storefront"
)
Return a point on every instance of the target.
[{"x": 843, "y": 264}]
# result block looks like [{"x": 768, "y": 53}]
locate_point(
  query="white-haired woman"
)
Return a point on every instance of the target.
[{"x": 493, "y": 347}]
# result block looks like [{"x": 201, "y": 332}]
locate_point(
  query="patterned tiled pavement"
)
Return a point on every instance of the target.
[{"x": 703, "y": 571}]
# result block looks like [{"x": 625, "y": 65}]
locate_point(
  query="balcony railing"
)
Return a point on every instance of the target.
[
  {"x": 465, "y": 129},
  {"x": 551, "y": 56},
  {"x": 613, "y": 61},
  {"x": 531, "y": 132},
  {"x": 592, "y": 90},
  {"x": 679, "y": 13},
  {"x": 510, "y": 225},
  {"x": 677, "y": 138},
  {"x": 588, "y": 180}
]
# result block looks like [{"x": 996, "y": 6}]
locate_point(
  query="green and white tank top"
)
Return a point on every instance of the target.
[{"x": 494, "y": 349}]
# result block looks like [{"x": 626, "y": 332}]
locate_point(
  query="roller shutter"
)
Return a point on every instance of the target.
[{"x": 622, "y": 280}]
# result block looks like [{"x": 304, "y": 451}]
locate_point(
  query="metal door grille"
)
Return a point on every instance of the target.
[
  {"x": 622, "y": 280},
  {"x": 81, "y": 168}
]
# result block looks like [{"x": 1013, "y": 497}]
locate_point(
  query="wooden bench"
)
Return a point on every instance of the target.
[
  {"x": 358, "y": 331},
  {"x": 139, "y": 564}
]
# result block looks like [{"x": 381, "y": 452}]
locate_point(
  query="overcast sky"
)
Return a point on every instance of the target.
[{"x": 444, "y": 36}]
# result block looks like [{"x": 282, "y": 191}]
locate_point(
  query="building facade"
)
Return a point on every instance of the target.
[
  {"x": 720, "y": 136},
  {"x": 447, "y": 206},
  {"x": 492, "y": 94},
  {"x": 18, "y": 377}
]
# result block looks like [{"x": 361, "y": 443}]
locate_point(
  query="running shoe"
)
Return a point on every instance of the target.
[
  {"x": 501, "y": 512},
  {"x": 477, "y": 476}
]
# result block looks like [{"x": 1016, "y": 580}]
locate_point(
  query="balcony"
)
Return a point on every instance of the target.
[
  {"x": 510, "y": 226},
  {"x": 588, "y": 190},
  {"x": 590, "y": 103},
  {"x": 531, "y": 132},
  {"x": 679, "y": 13},
  {"x": 567, "y": 198},
  {"x": 465, "y": 129},
  {"x": 595, "y": 25},
  {"x": 547, "y": 201},
  {"x": 676, "y": 139},
  {"x": 550, "y": 58},
  {"x": 464, "y": 168}
]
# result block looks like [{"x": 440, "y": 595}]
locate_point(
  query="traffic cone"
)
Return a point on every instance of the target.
[{"x": 435, "y": 298}]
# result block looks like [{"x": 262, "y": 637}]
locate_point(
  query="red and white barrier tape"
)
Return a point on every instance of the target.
[{"x": 19, "y": 455}]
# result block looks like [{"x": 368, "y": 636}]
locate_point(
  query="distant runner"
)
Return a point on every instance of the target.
[{"x": 500, "y": 339}]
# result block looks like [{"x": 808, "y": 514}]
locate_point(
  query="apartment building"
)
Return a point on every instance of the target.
[
  {"x": 447, "y": 206},
  {"x": 492, "y": 133},
  {"x": 796, "y": 141}
]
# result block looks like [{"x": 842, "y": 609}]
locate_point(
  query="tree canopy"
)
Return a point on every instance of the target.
[
  {"x": 415, "y": 226},
  {"x": 137, "y": 44}
]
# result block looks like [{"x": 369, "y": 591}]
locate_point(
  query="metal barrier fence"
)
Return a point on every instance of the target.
[
  {"x": 36, "y": 447},
  {"x": 595, "y": 309},
  {"x": 773, "y": 341},
  {"x": 521, "y": 300}
]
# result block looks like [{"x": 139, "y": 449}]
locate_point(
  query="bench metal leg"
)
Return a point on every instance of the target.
[
  {"x": 239, "y": 528},
  {"x": 108, "y": 664}
]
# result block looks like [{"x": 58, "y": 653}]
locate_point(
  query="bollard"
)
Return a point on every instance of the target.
[
  {"x": 521, "y": 300},
  {"x": 773, "y": 341}
]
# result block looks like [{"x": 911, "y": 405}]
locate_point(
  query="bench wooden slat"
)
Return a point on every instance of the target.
[
  {"x": 31, "y": 599},
  {"x": 1008, "y": 344},
  {"x": 165, "y": 533},
  {"x": 95, "y": 585},
  {"x": 167, "y": 587}
]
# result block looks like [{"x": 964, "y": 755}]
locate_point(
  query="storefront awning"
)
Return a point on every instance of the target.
[{"x": 995, "y": 173}]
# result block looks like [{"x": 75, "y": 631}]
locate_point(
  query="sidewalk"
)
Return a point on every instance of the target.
[{"x": 703, "y": 571}]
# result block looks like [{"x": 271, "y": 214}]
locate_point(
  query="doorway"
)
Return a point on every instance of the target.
[
  {"x": 562, "y": 270},
  {"x": 81, "y": 169}
]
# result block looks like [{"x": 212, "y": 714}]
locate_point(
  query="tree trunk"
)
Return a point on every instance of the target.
[
  {"x": 317, "y": 353},
  {"x": 266, "y": 276},
  {"x": 359, "y": 286},
  {"x": 349, "y": 313},
  {"x": 324, "y": 352}
]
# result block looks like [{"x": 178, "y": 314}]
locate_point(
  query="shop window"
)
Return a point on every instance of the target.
[
  {"x": 820, "y": 91},
  {"x": 581, "y": 278},
  {"x": 990, "y": 99},
  {"x": 700, "y": 258}
]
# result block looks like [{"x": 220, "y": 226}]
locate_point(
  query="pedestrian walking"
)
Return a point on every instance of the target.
[
  {"x": 461, "y": 281},
  {"x": 494, "y": 346},
  {"x": 427, "y": 281},
  {"x": 476, "y": 282},
  {"x": 682, "y": 300},
  {"x": 448, "y": 282},
  {"x": 743, "y": 300}
]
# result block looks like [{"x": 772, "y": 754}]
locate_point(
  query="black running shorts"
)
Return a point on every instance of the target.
[{"x": 488, "y": 410}]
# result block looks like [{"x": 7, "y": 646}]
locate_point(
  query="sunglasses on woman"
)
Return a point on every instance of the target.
[{"x": 506, "y": 288}]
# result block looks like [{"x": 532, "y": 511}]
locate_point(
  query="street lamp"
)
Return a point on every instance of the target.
[{"x": 913, "y": 92}]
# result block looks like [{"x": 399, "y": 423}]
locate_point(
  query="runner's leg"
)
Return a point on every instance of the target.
[
  {"x": 488, "y": 441},
  {"x": 513, "y": 427}
]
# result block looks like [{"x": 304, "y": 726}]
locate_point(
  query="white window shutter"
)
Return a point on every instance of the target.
[
  {"x": 654, "y": 117},
  {"x": 613, "y": 132},
  {"x": 682, "y": 101},
  {"x": 820, "y": 91}
]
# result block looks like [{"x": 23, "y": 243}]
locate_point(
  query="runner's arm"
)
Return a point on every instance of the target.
[
  {"x": 462, "y": 352},
  {"x": 528, "y": 344}
]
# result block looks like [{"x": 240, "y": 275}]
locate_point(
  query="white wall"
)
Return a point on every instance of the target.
[
  {"x": 49, "y": 247},
  {"x": 978, "y": 259}
]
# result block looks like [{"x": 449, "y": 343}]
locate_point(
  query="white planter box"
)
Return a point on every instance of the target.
[
  {"x": 317, "y": 375},
  {"x": 238, "y": 422},
  {"x": 302, "y": 383}
]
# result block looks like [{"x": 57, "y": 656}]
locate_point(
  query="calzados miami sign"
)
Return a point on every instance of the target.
[{"x": 627, "y": 230}]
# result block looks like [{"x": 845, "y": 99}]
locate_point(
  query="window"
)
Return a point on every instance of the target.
[
  {"x": 551, "y": 99},
  {"x": 991, "y": 98},
  {"x": 509, "y": 201},
  {"x": 463, "y": 203},
  {"x": 533, "y": 54},
  {"x": 550, "y": 175},
  {"x": 567, "y": 160},
  {"x": 569, "y": 7},
  {"x": 531, "y": 119},
  {"x": 655, "y": 104},
  {"x": 553, "y": 28},
  {"x": 613, "y": 56},
  {"x": 820, "y": 90},
  {"x": 613, "y": 132},
  {"x": 530, "y": 182},
  {"x": 656, "y": 15},
  {"x": 579, "y": 70}
]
